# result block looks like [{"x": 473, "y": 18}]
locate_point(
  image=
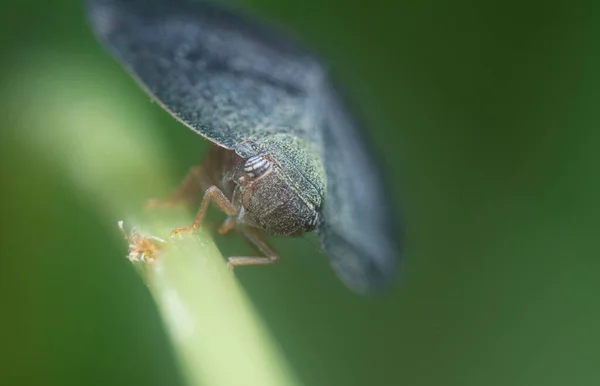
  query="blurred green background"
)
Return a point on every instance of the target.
[{"x": 487, "y": 118}]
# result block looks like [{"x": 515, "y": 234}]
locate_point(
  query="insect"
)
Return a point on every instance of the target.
[{"x": 287, "y": 154}]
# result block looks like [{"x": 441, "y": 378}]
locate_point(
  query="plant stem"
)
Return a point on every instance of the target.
[{"x": 107, "y": 150}]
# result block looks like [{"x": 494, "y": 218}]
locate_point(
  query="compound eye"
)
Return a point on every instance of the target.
[{"x": 256, "y": 166}]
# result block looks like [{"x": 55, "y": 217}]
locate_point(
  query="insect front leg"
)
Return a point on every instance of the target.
[
  {"x": 259, "y": 241},
  {"x": 190, "y": 188},
  {"x": 215, "y": 194}
]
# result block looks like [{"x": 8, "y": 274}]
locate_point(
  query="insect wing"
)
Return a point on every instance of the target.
[
  {"x": 230, "y": 81},
  {"x": 223, "y": 77},
  {"x": 358, "y": 230}
]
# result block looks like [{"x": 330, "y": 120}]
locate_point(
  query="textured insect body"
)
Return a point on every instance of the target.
[
  {"x": 288, "y": 156},
  {"x": 283, "y": 187}
]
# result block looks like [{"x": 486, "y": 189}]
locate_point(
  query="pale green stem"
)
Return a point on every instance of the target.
[{"x": 82, "y": 122}]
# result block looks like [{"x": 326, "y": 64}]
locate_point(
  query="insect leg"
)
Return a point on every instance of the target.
[
  {"x": 259, "y": 241},
  {"x": 228, "y": 225},
  {"x": 212, "y": 193},
  {"x": 190, "y": 188}
]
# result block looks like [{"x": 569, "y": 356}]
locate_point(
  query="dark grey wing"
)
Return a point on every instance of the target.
[
  {"x": 358, "y": 227},
  {"x": 224, "y": 77}
]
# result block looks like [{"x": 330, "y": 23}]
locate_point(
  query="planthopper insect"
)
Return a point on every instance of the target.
[{"x": 288, "y": 156}]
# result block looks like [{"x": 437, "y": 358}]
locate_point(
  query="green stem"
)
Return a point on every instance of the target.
[{"x": 107, "y": 150}]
